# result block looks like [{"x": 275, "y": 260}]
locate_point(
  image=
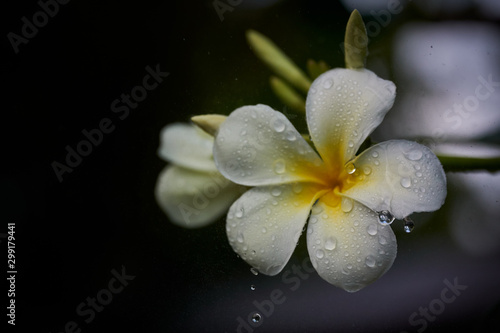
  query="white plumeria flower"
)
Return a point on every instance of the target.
[
  {"x": 191, "y": 191},
  {"x": 344, "y": 194}
]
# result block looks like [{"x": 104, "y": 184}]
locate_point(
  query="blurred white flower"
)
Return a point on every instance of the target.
[{"x": 191, "y": 191}]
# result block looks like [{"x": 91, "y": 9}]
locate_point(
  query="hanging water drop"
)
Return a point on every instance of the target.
[
  {"x": 256, "y": 317},
  {"x": 350, "y": 168},
  {"x": 409, "y": 225},
  {"x": 385, "y": 217},
  {"x": 252, "y": 287},
  {"x": 254, "y": 271}
]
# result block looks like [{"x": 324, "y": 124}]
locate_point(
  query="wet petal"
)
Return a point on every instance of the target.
[
  {"x": 259, "y": 146},
  {"x": 349, "y": 249},
  {"x": 343, "y": 107},
  {"x": 399, "y": 176},
  {"x": 187, "y": 146},
  {"x": 264, "y": 224},
  {"x": 193, "y": 199}
]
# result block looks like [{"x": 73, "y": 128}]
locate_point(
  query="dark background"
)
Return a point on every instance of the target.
[{"x": 70, "y": 235}]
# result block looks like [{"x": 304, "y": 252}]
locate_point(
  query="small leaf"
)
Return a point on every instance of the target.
[
  {"x": 287, "y": 94},
  {"x": 279, "y": 62},
  {"x": 355, "y": 42}
]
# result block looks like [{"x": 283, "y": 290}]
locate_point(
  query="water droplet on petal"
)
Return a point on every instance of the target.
[
  {"x": 414, "y": 155},
  {"x": 385, "y": 217},
  {"x": 239, "y": 213},
  {"x": 350, "y": 144},
  {"x": 254, "y": 271},
  {"x": 279, "y": 166},
  {"x": 278, "y": 125},
  {"x": 367, "y": 170},
  {"x": 240, "y": 238},
  {"x": 350, "y": 168},
  {"x": 264, "y": 230},
  {"x": 320, "y": 254},
  {"x": 328, "y": 84},
  {"x": 330, "y": 243},
  {"x": 372, "y": 229},
  {"x": 346, "y": 204},
  {"x": 276, "y": 192},
  {"x": 290, "y": 136},
  {"x": 405, "y": 182},
  {"x": 297, "y": 188},
  {"x": 375, "y": 154},
  {"x": 409, "y": 225},
  {"x": 256, "y": 317},
  {"x": 370, "y": 261}
]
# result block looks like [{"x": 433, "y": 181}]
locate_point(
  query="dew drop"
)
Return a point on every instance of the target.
[
  {"x": 240, "y": 238},
  {"x": 414, "y": 155},
  {"x": 297, "y": 188},
  {"x": 367, "y": 170},
  {"x": 405, "y": 182},
  {"x": 409, "y": 225},
  {"x": 278, "y": 125},
  {"x": 350, "y": 144},
  {"x": 375, "y": 154},
  {"x": 346, "y": 204},
  {"x": 382, "y": 240},
  {"x": 290, "y": 136},
  {"x": 370, "y": 262},
  {"x": 328, "y": 84},
  {"x": 239, "y": 213},
  {"x": 256, "y": 317},
  {"x": 252, "y": 287},
  {"x": 276, "y": 192},
  {"x": 350, "y": 168},
  {"x": 264, "y": 230},
  {"x": 372, "y": 229},
  {"x": 320, "y": 254},
  {"x": 279, "y": 166},
  {"x": 254, "y": 271},
  {"x": 385, "y": 217},
  {"x": 330, "y": 243}
]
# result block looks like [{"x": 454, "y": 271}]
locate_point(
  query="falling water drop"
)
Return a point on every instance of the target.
[
  {"x": 256, "y": 317},
  {"x": 409, "y": 225},
  {"x": 350, "y": 168},
  {"x": 254, "y": 271},
  {"x": 385, "y": 217},
  {"x": 252, "y": 287}
]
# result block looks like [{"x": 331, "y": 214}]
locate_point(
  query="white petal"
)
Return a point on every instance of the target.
[
  {"x": 193, "y": 199},
  {"x": 343, "y": 107},
  {"x": 187, "y": 146},
  {"x": 399, "y": 176},
  {"x": 259, "y": 146},
  {"x": 349, "y": 249},
  {"x": 263, "y": 226}
]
